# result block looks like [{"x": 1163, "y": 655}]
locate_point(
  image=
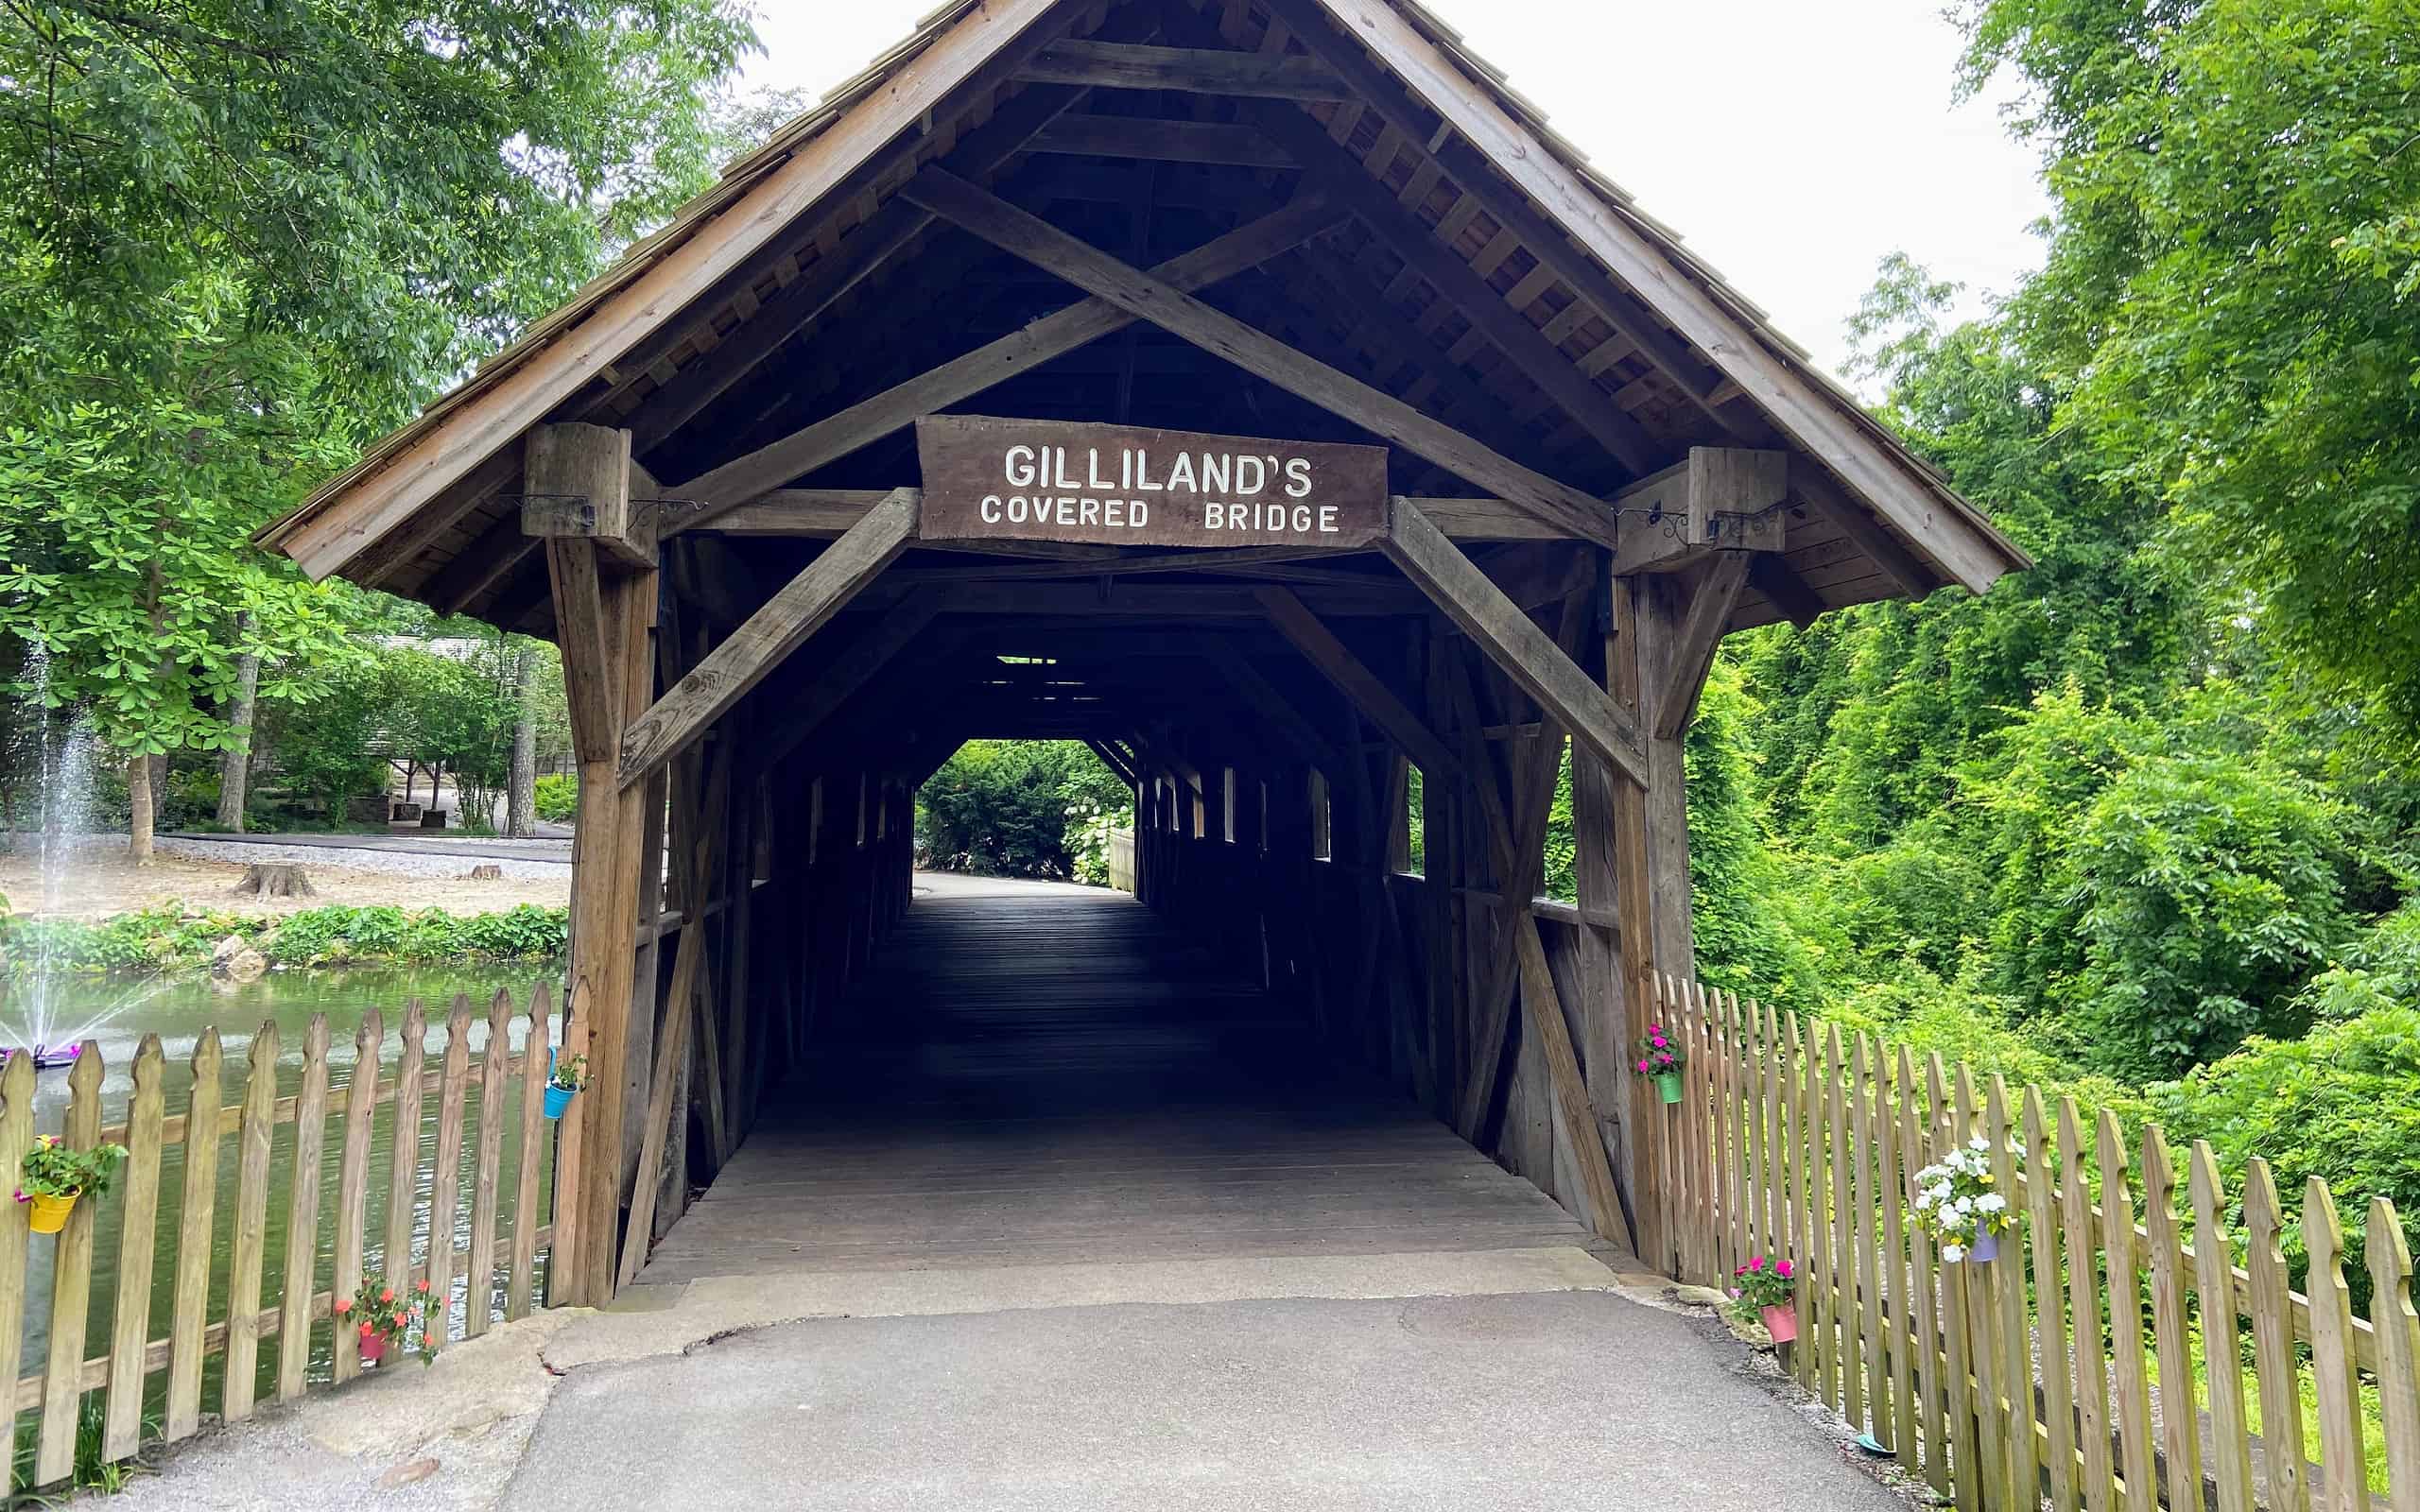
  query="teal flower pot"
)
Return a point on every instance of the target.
[{"x": 559, "y": 1098}]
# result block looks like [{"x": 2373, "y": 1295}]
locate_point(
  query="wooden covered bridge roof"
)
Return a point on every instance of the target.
[{"x": 1342, "y": 176}]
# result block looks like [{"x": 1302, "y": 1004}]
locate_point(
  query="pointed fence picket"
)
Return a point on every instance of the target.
[
  {"x": 148, "y": 1362},
  {"x": 2118, "y": 1355}
]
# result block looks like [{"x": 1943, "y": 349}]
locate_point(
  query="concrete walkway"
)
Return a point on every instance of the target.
[{"x": 1537, "y": 1399}]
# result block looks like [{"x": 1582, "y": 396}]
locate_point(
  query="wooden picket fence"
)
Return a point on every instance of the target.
[
  {"x": 228, "y": 1313},
  {"x": 1121, "y": 860},
  {"x": 1985, "y": 1379}
]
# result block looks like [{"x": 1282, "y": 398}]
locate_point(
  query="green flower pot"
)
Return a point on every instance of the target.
[{"x": 1668, "y": 1083}]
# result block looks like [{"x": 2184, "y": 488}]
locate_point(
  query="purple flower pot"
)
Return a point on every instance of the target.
[{"x": 1986, "y": 1247}]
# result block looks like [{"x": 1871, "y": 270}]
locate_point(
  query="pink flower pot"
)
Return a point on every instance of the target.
[
  {"x": 1781, "y": 1323},
  {"x": 373, "y": 1347}
]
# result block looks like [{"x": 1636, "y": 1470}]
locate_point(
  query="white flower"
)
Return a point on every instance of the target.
[
  {"x": 1952, "y": 1254},
  {"x": 1979, "y": 1142},
  {"x": 1941, "y": 1193},
  {"x": 1965, "y": 1205},
  {"x": 1991, "y": 1202},
  {"x": 1924, "y": 1199}
]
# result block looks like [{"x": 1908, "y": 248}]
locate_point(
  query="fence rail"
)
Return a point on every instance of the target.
[
  {"x": 175, "y": 1308},
  {"x": 2085, "y": 1362}
]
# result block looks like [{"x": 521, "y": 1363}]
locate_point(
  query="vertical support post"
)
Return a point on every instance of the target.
[
  {"x": 603, "y": 620},
  {"x": 1650, "y": 865}
]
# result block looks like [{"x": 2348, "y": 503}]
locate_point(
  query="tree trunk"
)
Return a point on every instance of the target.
[
  {"x": 236, "y": 761},
  {"x": 521, "y": 793},
  {"x": 138, "y": 791},
  {"x": 158, "y": 787}
]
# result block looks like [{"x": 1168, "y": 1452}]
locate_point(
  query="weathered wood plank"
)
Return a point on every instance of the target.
[
  {"x": 71, "y": 1284},
  {"x": 129, "y": 1321},
  {"x": 480, "y": 1281},
  {"x": 353, "y": 1184},
  {"x": 302, "y": 1212},
  {"x": 237, "y": 1390},
  {"x": 2223, "y": 1334},
  {"x": 445, "y": 1179},
  {"x": 533, "y": 1149},
  {"x": 2344, "y": 1465},
  {"x": 195, "y": 1210}
]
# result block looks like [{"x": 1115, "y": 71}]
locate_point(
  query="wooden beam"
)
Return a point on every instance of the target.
[
  {"x": 1121, "y": 598},
  {"x": 1115, "y": 136},
  {"x": 1526, "y": 653},
  {"x": 1788, "y": 594},
  {"x": 1184, "y": 70},
  {"x": 631, "y": 543},
  {"x": 1579, "y": 229},
  {"x": 1573, "y": 393},
  {"x": 1718, "y": 499},
  {"x": 1222, "y": 335},
  {"x": 1368, "y": 691},
  {"x": 367, "y": 507},
  {"x": 772, "y": 633},
  {"x": 592, "y": 464},
  {"x": 836, "y": 436},
  {"x": 1718, "y": 595}
]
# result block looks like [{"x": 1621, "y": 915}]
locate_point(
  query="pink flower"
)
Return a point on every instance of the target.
[
  {"x": 1758, "y": 1264},
  {"x": 1642, "y": 1066},
  {"x": 1659, "y": 1042},
  {"x": 1781, "y": 1269}
]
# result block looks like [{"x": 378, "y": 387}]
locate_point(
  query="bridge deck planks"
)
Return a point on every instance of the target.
[{"x": 1061, "y": 1076}]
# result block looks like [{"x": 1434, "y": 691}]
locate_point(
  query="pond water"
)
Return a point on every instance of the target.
[{"x": 179, "y": 1010}]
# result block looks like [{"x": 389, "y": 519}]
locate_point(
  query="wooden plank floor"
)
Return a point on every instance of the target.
[{"x": 1059, "y": 1076}]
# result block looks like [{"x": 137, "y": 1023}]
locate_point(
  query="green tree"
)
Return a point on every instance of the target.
[
  {"x": 2234, "y": 288},
  {"x": 240, "y": 240}
]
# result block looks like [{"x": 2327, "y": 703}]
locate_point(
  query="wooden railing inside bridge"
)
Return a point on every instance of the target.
[
  {"x": 2084, "y": 1363},
  {"x": 240, "y": 1215}
]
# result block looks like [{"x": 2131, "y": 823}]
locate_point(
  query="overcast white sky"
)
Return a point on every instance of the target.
[{"x": 1793, "y": 143}]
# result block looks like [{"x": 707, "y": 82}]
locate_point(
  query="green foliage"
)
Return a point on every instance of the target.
[
  {"x": 1003, "y": 807},
  {"x": 558, "y": 798},
  {"x": 2233, "y": 276},
  {"x": 2341, "y": 1103},
  {"x": 161, "y": 941},
  {"x": 237, "y": 241}
]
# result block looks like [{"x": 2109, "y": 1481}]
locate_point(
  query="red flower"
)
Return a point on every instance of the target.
[
  {"x": 387, "y": 1296},
  {"x": 343, "y": 1305},
  {"x": 423, "y": 1283}
]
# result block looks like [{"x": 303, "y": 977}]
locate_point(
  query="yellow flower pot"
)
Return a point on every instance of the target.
[{"x": 49, "y": 1214}]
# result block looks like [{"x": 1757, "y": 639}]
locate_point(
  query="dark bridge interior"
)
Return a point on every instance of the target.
[{"x": 1034, "y": 1073}]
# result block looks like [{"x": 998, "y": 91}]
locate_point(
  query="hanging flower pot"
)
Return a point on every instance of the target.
[
  {"x": 563, "y": 1082},
  {"x": 1959, "y": 1204},
  {"x": 49, "y": 1214},
  {"x": 1781, "y": 1321},
  {"x": 55, "y": 1175},
  {"x": 1659, "y": 1060},
  {"x": 373, "y": 1345}
]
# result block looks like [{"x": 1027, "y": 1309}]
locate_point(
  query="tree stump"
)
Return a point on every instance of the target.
[
  {"x": 275, "y": 879},
  {"x": 489, "y": 872}
]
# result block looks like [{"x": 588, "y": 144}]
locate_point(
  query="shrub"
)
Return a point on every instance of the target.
[
  {"x": 1002, "y": 807},
  {"x": 558, "y": 798},
  {"x": 2342, "y": 1104}
]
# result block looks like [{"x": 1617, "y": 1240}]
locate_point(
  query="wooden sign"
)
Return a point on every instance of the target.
[{"x": 989, "y": 479}]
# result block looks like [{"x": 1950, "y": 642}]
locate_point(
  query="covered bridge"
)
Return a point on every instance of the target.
[{"x": 1257, "y": 390}]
